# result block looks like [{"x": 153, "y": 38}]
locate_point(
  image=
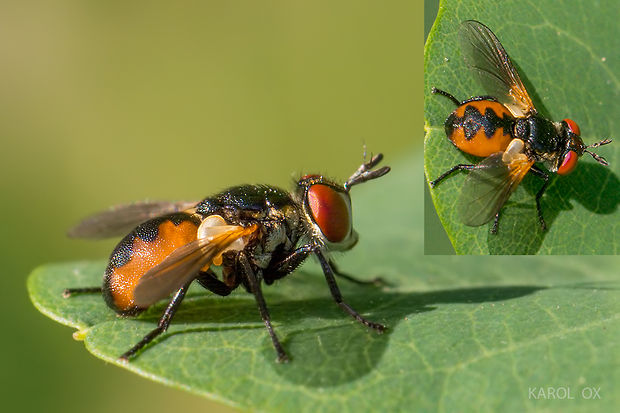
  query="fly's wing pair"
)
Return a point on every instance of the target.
[
  {"x": 120, "y": 219},
  {"x": 179, "y": 267},
  {"x": 489, "y": 186},
  {"x": 488, "y": 60},
  {"x": 491, "y": 183}
]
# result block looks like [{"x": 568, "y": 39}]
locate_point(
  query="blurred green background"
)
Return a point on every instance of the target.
[{"x": 109, "y": 102}]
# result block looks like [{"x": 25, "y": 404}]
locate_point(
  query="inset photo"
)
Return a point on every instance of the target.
[{"x": 521, "y": 112}]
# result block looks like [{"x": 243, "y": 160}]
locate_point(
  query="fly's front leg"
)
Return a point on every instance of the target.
[
  {"x": 333, "y": 288},
  {"x": 255, "y": 288},
  {"x": 377, "y": 281},
  {"x": 294, "y": 260},
  {"x": 287, "y": 265}
]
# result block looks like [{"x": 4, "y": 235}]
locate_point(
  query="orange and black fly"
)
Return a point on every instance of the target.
[
  {"x": 506, "y": 129},
  {"x": 245, "y": 236}
]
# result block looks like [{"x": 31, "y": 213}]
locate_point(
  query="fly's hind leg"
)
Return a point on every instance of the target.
[
  {"x": 436, "y": 91},
  {"x": 162, "y": 325},
  {"x": 459, "y": 167},
  {"x": 68, "y": 292}
]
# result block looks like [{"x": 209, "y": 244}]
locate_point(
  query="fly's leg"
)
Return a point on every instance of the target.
[
  {"x": 287, "y": 265},
  {"x": 459, "y": 167},
  {"x": 68, "y": 292},
  {"x": 335, "y": 291},
  {"x": 294, "y": 260},
  {"x": 541, "y": 174},
  {"x": 162, "y": 325},
  {"x": 377, "y": 281},
  {"x": 436, "y": 91},
  {"x": 208, "y": 280},
  {"x": 495, "y": 224},
  {"x": 255, "y": 288}
]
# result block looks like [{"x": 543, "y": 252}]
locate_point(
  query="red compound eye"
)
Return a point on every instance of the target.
[
  {"x": 331, "y": 210},
  {"x": 572, "y": 125},
  {"x": 569, "y": 163}
]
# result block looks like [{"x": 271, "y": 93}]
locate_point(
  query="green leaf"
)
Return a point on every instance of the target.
[
  {"x": 465, "y": 333},
  {"x": 566, "y": 53}
]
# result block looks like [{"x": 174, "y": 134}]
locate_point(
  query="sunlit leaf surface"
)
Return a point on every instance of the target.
[{"x": 465, "y": 333}]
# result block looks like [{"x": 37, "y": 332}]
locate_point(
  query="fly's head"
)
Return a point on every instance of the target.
[
  {"x": 327, "y": 205},
  {"x": 575, "y": 148}
]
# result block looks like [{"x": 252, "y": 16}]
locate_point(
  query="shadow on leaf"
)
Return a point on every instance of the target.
[
  {"x": 593, "y": 186},
  {"x": 323, "y": 353},
  {"x": 339, "y": 354}
]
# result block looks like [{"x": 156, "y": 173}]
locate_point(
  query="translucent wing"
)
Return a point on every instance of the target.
[
  {"x": 488, "y": 187},
  {"x": 486, "y": 57},
  {"x": 182, "y": 265},
  {"x": 119, "y": 220}
]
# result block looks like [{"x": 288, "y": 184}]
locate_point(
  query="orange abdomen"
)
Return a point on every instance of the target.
[
  {"x": 480, "y": 127},
  {"x": 145, "y": 247}
]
